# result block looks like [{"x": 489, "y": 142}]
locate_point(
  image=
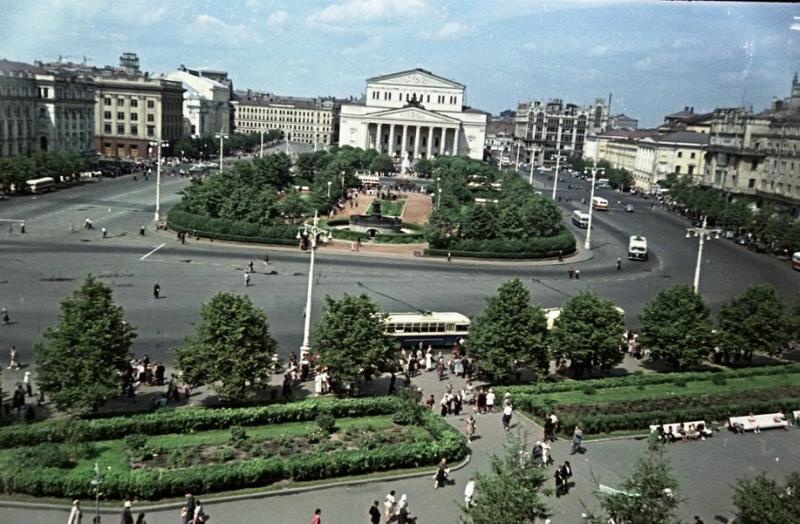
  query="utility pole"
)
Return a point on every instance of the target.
[
  {"x": 311, "y": 232},
  {"x": 261, "y": 153},
  {"x": 595, "y": 170},
  {"x": 222, "y": 136},
  {"x": 559, "y": 157},
  {"x": 158, "y": 144},
  {"x": 703, "y": 233}
]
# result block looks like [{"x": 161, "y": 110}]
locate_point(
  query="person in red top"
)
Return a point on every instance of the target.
[{"x": 317, "y": 518}]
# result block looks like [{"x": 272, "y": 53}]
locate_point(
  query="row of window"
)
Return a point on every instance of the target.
[
  {"x": 278, "y": 111},
  {"x": 134, "y": 130},
  {"x": 151, "y": 104},
  {"x": 419, "y": 97},
  {"x": 425, "y": 327},
  {"x": 133, "y": 116}
]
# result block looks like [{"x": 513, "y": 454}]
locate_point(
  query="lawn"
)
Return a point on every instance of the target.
[{"x": 390, "y": 208}]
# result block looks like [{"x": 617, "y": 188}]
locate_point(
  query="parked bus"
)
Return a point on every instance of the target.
[
  {"x": 580, "y": 219},
  {"x": 435, "y": 329},
  {"x": 41, "y": 185},
  {"x": 637, "y": 248},
  {"x": 600, "y": 204},
  {"x": 796, "y": 261}
]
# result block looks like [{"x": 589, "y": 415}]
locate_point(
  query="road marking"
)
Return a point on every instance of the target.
[{"x": 153, "y": 251}]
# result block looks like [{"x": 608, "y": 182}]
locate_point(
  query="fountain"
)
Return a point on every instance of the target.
[{"x": 375, "y": 223}]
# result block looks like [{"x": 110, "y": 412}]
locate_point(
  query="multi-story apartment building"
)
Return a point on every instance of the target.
[
  {"x": 544, "y": 130},
  {"x": 44, "y": 109},
  {"x": 680, "y": 153},
  {"x": 132, "y": 109},
  {"x": 758, "y": 155},
  {"x": 686, "y": 120},
  {"x": 306, "y": 120},
  {"x": 206, "y": 104}
]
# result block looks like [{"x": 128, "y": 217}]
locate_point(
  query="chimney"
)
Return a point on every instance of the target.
[
  {"x": 691, "y": 109},
  {"x": 686, "y": 108}
]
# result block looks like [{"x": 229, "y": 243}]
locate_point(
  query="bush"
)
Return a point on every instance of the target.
[
  {"x": 589, "y": 390},
  {"x": 546, "y": 247},
  {"x": 221, "y": 229},
  {"x": 719, "y": 379},
  {"x": 326, "y": 423},
  {"x": 238, "y": 438},
  {"x": 680, "y": 382},
  {"x": 44, "y": 455}
]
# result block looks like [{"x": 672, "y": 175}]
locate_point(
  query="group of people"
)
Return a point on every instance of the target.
[
  {"x": 683, "y": 433},
  {"x": 394, "y": 510},
  {"x": 142, "y": 372}
]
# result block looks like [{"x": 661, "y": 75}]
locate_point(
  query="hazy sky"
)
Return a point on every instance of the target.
[{"x": 655, "y": 57}]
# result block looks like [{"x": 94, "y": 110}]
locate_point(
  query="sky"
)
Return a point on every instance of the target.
[{"x": 655, "y": 57}]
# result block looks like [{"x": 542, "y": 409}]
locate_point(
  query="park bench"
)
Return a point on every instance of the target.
[
  {"x": 764, "y": 421},
  {"x": 705, "y": 433}
]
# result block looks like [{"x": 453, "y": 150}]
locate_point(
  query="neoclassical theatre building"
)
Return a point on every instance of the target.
[{"x": 412, "y": 115}]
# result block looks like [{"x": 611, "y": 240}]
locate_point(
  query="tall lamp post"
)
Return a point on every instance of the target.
[
  {"x": 329, "y": 188},
  {"x": 594, "y": 170},
  {"x": 438, "y": 192},
  {"x": 703, "y": 233},
  {"x": 559, "y": 158},
  {"x": 222, "y": 136},
  {"x": 96, "y": 481},
  {"x": 158, "y": 144},
  {"x": 261, "y": 153},
  {"x": 311, "y": 232}
]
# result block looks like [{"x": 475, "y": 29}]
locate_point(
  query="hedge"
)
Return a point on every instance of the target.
[
  {"x": 150, "y": 484},
  {"x": 190, "y": 419},
  {"x": 222, "y": 229},
  {"x": 646, "y": 379},
  {"x": 544, "y": 247}
]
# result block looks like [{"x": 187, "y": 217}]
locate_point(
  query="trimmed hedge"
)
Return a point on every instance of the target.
[
  {"x": 150, "y": 484},
  {"x": 191, "y": 419},
  {"x": 545, "y": 247},
  {"x": 222, "y": 229},
  {"x": 646, "y": 379}
]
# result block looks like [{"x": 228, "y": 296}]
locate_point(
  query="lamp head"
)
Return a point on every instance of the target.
[{"x": 688, "y": 234}]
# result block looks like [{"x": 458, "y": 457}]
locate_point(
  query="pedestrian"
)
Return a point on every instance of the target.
[
  {"x": 469, "y": 428},
  {"x": 469, "y": 493},
  {"x": 141, "y": 231},
  {"x": 13, "y": 363},
  {"x": 375, "y": 513},
  {"x": 187, "y": 512},
  {"x": 698, "y": 520},
  {"x": 105, "y": 232},
  {"x": 75, "y": 514},
  {"x": 26, "y": 381},
  {"x": 140, "y": 519},
  {"x": 389, "y": 503},
  {"x": 22, "y": 227},
  {"x": 449, "y": 256},
  {"x": 571, "y": 272},
  {"x": 246, "y": 279},
  {"x": 577, "y": 438},
  {"x": 392, "y": 384},
  {"x": 619, "y": 263},
  {"x": 358, "y": 244},
  {"x": 577, "y": 274},
  {"x": 317, "y": 517},
  {"x": 559, "y": 482},
  {"x": 183, "y": 237},
  {"x": 250, "y": 265},
  {"x": 566, "y": 474},
  {"x": 156, "y": 290},
  {"x": 490, "y": 396},
  {"x": 4, "y": 316},
  {"x": 507, "y": 410},
  {"x": 442, "y": 472},
  {"x": 126, "y": 517},
  {"x": 200, "y": 516}
]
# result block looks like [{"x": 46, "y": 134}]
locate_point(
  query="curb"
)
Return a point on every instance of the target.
[{"x": 208, "y": 500}]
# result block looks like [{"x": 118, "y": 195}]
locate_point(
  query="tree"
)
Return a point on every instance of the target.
[
  {"x": 293, "y": 206},
  {"x": 79, "y": 358},
  {"x": 589, "y": 333},
  {"x": 381, "y": 164},
  {"x": 232, "y": 348},
  {"x": 350, "y": 339},
  {"x": 763, "y": 501},
  {"x": 649, "y": 494},
  {"x": 423, "y": 167},
  {"x": 509, "y": 331},
  {"x": 512, "y": 491},
  {"x": 755, "y": 322},
  {"x": 676, "y": 326}
]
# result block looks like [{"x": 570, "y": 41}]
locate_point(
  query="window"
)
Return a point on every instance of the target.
[
  {"x": 120, "y": 115},
  {"x": 692, "y": 155},
  {"x": 150, "y": 118},
  {"x": 120, "y": 129},
  {"x": 107, "y": 101},
  {"x": 680, "y": 154},
  {"x": 134, "y": 129},
  {"x": 751, "y": 183},
  {"x": 151, "y": 130},
  {"x": 107, "y": 115},
  {"x": 107, "y": 129},
  {"x": 691, "y": 169},
  {"x": 134, "y": 103},
  {"x": 677, "y": 170},
  {"x": 120, "y": 101},
  {"x": 134, "y": 117},
  {"x": 151, "y": 104}
]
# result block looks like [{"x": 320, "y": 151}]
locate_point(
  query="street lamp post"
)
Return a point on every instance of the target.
[
  {"x": 222, "y": 136},
  {"x": 312, "y": 231},
  {"x": 261, "y": 153},
  {"x": 559, "y": 158},
  {"x": 329, "y": 188},
  {"x": 595, "y": 170},
  {"x": 96, "y": 481},
  {"x": 703, "y": 233},
  {"x": 438, "y": 192},
  {"x": 158, "y": 144}
]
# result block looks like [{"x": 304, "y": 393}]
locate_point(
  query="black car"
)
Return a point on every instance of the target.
[{"x": 758, "y": 247}]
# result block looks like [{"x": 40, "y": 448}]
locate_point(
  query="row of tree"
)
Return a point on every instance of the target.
[
  {"x": 514, "y": 490},
  {"x": 676, "y": 327},
  {"x": 208, "y": 146},
  {"x": 15, "y": 170},
  {"x": 617, "y": 177},
  {"x": 768, "y": 223}
]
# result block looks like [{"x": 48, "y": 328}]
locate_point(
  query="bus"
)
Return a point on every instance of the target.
[
  {"x": 552, "y": 314},
  {"x": 796, "y": 261},
  {"x": 637, "y": 248},
  {"x": 600, "y": 204},
  {"x": 41, "y": 185},
  {"x": 580, "y": 219},
  {"x": 429, "y": 328},
  {"x": 602, "y": 183}
]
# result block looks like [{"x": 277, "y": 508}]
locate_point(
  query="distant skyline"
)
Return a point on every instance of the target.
[{"x": 655, "y": 57}]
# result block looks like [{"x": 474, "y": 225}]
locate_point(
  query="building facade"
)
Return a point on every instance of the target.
[
  {"x": 680, "y": 153},
  {"x": 545, "y": 130},
  {"x": 412, "y": 115},
  {"x": 42, "y": 109},
  {"x": 622, "y": 121},
  {"x": 206, "y": 104},
  {"x": 758, "y": 155},
  {"x": 305, "y": 120}
]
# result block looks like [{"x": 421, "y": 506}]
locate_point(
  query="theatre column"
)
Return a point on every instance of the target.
[
  {"x": 417, "y": 131},
  {"x": 405, "y": 141},
  {"x": 443, "y": 142},
  {"x": 391, "y": 140},
  {"x": 378, "y": 137}
]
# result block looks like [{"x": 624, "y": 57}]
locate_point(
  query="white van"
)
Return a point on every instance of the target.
[
  {"x": 637, "y": 248},
  {"x": 600, "y": 204},
  {"x": 580, "y": 219}
]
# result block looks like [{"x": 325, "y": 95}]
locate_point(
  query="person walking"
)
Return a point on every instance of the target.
[
  {"x": 75, "y": 514},
  {"x": 246, "y": 279},
  {"x": 374, "y": 513},
  {"x": 442, "y": 472},
  {"x": 22, "y": 228},
  {"x": 250, "y": 266},
  {"x": 490, "y": 397},
  {"x": 577, "y": 274},
  {"x": 507, "y": 411},
  {"x": 577, "y": 438},
  {"x": 13, "y": 363},
  {"x": 619, "y": 263},
  {"x": 156, "y": 290},
  {"x": 469, "y": 428},
  {"x": 26, "y": 381},
  {"x": 4, "y": 316},
  {"x": 187, "y": 512},
  {"x": 126, "y": 517},
  {"x": 389, "y": 503},
  {"x": 317, "y": 519},
  {"x": 559, "y": 482},
  {"x": 141, "y": 231},
  {"x": 469, "y": 493},
  {"x": 105, "y": 232},
  {"x": 546, "y": 458},
  {"x": 566, "y": 474}
]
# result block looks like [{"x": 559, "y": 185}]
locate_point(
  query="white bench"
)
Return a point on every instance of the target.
[
  {"x": 705, "y": 433},
  {"x": 764, "y": 421}
]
